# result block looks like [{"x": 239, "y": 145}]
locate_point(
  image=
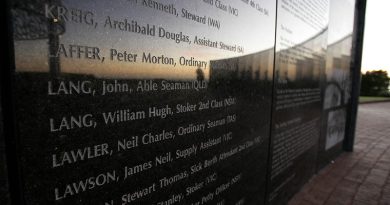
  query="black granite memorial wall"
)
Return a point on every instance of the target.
[
  {"x": 143, "y": 102},
  {"x": 299, "y": 67},
  {"x": 4, "y": 190},
  {"x": 337, "y": 81},
  {"x": 172, "y": 102}
]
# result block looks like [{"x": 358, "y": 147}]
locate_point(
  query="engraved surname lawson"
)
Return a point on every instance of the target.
[{"x": 84, "y": 185}]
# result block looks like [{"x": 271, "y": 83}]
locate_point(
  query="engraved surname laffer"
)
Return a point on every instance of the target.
[{"x": 78, "y": 52}]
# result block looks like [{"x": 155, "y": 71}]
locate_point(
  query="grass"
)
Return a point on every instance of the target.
[{"x": 364, "y": 99}]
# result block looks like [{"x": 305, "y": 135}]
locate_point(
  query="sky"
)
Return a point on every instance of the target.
[{"x": 376, "y": 36}]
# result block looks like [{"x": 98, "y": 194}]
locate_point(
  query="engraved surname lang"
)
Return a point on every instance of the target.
[
  {"x": 72, "y": 122},
  {"x": 85, "y": 185},
  {"x": 69, "y": 87},
  {"x": 81, "y": 154}
]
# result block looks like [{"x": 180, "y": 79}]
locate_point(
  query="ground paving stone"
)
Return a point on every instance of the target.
[{"x": 361, "y": 177}]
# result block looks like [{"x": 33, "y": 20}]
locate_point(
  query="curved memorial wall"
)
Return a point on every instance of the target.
[{"x": 172, "y": 102}]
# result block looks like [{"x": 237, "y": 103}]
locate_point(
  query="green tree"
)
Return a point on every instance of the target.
[{"x": 375, "y": 83}]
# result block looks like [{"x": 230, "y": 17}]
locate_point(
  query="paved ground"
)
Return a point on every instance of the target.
[{"x": 361, "y": 177}]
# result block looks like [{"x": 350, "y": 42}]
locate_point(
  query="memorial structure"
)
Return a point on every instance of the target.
[{"x": 172, "y": 102}]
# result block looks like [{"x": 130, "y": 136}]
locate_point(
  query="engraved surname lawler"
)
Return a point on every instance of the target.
[{"x": 81, "y": 154}]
